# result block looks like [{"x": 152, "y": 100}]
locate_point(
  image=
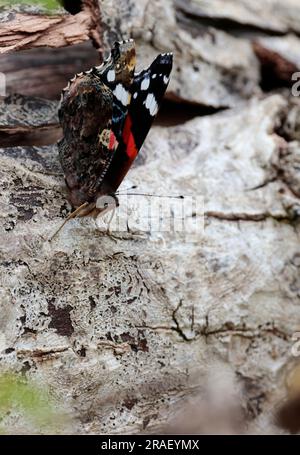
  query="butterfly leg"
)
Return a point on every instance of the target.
[{"x": 100, "y": 212}]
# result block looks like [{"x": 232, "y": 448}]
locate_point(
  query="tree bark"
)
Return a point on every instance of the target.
[{"x": 25, "y": 28}]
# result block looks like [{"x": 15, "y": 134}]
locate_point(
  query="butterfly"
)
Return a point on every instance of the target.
[{"x": 106, "y": 114}]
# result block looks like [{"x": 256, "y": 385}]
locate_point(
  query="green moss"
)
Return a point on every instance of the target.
[
  {"x": 32, "y": 402},
  {"x": 47, "y": 4}
]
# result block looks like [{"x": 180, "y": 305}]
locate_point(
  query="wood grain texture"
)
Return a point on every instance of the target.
[
  {"x": 45, "y": 72},
  {"x": 128, "y": 330},
  {"x": 29, "y": 27},
  {"x": 151, "y": 330}
]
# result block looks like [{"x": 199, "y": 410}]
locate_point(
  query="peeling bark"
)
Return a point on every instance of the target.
[
  {"x": 30, "y": 27},
  {"x": 26, "y": 31}
]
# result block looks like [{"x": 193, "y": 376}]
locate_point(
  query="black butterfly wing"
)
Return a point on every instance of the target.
[
  {"x": 147, "y": 91},
  {"x": 118, "y": 74}
]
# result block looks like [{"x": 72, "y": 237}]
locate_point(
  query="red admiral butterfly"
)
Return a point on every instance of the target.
[{"x": 106, "y": 114}]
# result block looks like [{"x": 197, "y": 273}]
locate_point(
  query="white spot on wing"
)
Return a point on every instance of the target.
[
  {"x": 154, "y": 76},
  {"x": 122, "y": 94},
  {"x": 145, "y": 83},
  {"x": 151, "y": 104},
  {"x": 111, "y": 75},
  {"x": 166, "y": 80},
  {"x": 135, "y": 95}
]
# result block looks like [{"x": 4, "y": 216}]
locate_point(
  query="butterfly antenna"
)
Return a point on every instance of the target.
[
  {"x": 127, "y": 189},
  {"x": 69, "y": 217},
  {"x": 151, "y": 195}
]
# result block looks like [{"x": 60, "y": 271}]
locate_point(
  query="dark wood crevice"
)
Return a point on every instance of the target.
[
  {"x": 276, "y": 70},
  {"x": 72, "y": 6},
  {"x": 175, "y": 112}
]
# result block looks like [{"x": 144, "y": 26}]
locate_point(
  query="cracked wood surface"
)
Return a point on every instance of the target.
[
  {"x": 156, "y": 331},
  {"x": 125, "y": 330}
]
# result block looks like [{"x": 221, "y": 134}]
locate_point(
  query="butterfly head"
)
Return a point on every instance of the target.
[{"x": 123, "y": 56}]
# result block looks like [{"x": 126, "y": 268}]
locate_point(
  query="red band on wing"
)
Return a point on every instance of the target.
[
  {"x": 131, "y": 150},
  {"x": 113, "y": 143}
]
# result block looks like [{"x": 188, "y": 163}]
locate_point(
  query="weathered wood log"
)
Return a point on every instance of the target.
[
  {"x": 86, "y": 312},
  {"x": 151, "y": 330}
]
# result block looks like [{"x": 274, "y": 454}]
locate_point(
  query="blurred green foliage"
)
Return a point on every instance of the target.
[
  {"x": 48, "y": 4},
  {"x": 32, "y": 403}
]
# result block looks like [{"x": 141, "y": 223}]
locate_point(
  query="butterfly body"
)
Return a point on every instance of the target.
[{"x": 105, "y": 115}]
